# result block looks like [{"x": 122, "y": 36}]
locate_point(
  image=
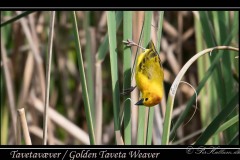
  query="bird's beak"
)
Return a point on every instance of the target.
[{"x": 140, "y": 102}]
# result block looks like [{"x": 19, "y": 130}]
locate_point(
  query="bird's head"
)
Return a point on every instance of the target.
[{"x": 149, "y": 100}]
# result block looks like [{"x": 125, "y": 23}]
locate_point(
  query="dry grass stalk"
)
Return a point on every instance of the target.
[
  {"x": 60, "y": 120},
  {"x": 24, "y": 126},
  {"x": 10, "y": 87}
]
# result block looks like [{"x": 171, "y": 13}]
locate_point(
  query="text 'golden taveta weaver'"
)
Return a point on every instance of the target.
[{"x": 149, "y": 77}]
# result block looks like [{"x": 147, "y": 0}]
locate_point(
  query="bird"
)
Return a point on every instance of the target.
[{"x": 149, "y": 76}]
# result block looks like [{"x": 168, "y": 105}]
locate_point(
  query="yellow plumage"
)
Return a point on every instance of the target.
[{"x": 149, "y": 77}]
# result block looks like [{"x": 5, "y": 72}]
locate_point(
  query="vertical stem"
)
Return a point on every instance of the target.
[
  {"x": 111, "y": 21},
  {"x": 98, "y": 100},
  {"x": 24, "y": 126},
  {"x": 159, "y": 31},
  {"x": 147, "y": 125},
  {"x": 89, "y": 68},
  {"x": 9, "y": 87},
  {"x": 83, "y": 80},
  {"x": 49, "y": 60},
  {"x": 19, "y": 134},
  {"x": 127, "y": 31},
  {"x": 141, "y": 135}
]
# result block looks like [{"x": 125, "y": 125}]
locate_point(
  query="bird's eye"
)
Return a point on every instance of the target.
[{"x": 146, "y": 99}]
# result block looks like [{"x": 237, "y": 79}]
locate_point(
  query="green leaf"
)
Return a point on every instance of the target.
[
  {"x": 127, "y": 34},
  {"x": 111, "y": 21},
  {"x": 221, "y": 117},
  {"x": 83, "y": 79}
]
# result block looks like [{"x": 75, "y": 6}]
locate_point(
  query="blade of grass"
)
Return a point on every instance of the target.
[
  {"x": 181, "y": 118},
  {"x": 150, "y": 125},
  {"x": 211, "y": 41},
  {"x": 207, "y": 74},
  {"x": 226, "y": 68},
  {"x": 89, "y": 66},
  {"x": 142, "y": 112},
  {"x": 201, "y": 84},
  {"x": 104, "y": 47},
  {"x": 210, "y": 109},
  {"x": 83, "y": 80},
  {"x": 235, "y": 40},
  {"x": 226, "y": 63},
  {"x": 220, "y": 129},
  {"x": 49, "y": 62},
  {"x": 207, "y": 29},
  {"x": 159, "y": 30},
  {"x": 111, "y": 21},
  {"x": 127, "y": 34},
  {"x": 228, "y": 124},
  {"x": 16, "y": 18},
  {"x": 7, "y": 29},
  {"x": 216, "y": 26},
  {"x": 202, "y": 65},
  {"x": 234, "y": 140},
  {"x": 214, "y": 125},
  {"x": 227, "y": 20},
  {"x": 101, "y": 54},
  {"x": 222, "y": 27},
  {"x": 172, "y": 92},
  {"x": 206, "y": 25}
]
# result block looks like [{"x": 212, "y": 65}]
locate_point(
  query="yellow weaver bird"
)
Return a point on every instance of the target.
[{"x": 149, "y": 76}]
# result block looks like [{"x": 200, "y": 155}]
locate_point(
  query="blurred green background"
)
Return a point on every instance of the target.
[{"x": 110, "y": 118}]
